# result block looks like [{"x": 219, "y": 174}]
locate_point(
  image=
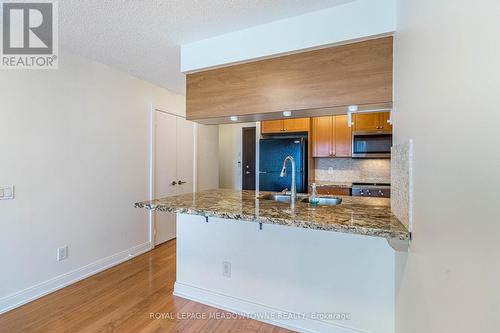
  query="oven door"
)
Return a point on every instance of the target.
[{"x": 371, "y": 145}]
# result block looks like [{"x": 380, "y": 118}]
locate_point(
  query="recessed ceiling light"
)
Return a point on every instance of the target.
[
  {"x": 233, "y": 118},
  {"x": 353, "y": 108},
  {"x": 287, "y": 113}
]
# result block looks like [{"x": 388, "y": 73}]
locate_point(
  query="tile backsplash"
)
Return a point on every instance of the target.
[{"x": 350, "y": 170}]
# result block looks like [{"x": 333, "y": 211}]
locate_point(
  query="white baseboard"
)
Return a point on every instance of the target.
[
  {"x": 251, "y": 309},
  {"x": 27, "y": 295}
]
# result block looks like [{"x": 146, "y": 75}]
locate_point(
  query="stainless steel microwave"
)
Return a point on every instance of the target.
[{"x": 371, "y": 145}]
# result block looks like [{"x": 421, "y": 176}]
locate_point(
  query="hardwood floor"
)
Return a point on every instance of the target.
[{"x": 124, "y": 299}]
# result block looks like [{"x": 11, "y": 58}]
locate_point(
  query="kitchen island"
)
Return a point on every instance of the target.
[{"x": 310, "y": 269}]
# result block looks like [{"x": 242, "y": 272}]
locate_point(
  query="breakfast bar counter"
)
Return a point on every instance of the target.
[{"x": 355, "y": 215}]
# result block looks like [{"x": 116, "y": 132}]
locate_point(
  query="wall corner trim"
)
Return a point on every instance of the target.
[{"x": 32, "y": 293}]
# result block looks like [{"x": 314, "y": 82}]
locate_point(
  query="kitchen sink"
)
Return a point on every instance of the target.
[
  {"x": 323, "y": 201},
  {"x": 277, "y": 197}
]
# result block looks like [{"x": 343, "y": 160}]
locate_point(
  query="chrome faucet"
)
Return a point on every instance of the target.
[{"x": 283, "y": 174}]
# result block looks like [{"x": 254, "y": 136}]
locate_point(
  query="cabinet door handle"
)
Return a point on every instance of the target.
[
  {"x": 173, "y": 183},
  {"x": 180, "y": 182}
]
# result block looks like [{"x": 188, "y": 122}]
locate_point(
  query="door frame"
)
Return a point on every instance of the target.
[{"x": 152, "y": 161}]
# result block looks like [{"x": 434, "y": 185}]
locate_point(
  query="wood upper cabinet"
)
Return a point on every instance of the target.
[
  {"x": 372, "y": 122},
  {"x": 322, "y": 136},
  {"x": 357, "y": 73},
  {"x": 343, "y": 137},
  {"x": 331, "y": 137},
  {"x": 285, "y": 125},
  {"x": 386, "y": 126},
  {"x": 272, "y": 126},
  {"x": 296, "y": 125},
  {"x": 366, "y": 121}
]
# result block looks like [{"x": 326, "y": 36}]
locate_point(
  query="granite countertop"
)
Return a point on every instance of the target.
[{"x": 355, "y": 215}]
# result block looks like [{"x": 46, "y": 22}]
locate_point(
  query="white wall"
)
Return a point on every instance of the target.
[
  {"x": 230, "y": 153},
  {"x": 349, "y": 21},
  {"x": 288, "y": 269},
  {"x": 207, "y": 166},
  {"x": 446, "y": 88},
  {"x": 75, "y": 143}
]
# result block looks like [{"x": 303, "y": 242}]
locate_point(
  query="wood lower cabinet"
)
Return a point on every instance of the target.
[
  {"x": 285, "y": 125},
  {"x": 372, "y": 122},
  {"x": 332, "y": 190},
  {"x": 331, "y": 137}
]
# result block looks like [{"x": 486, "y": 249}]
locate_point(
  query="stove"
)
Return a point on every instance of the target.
[{"x": 371, "y": 190}]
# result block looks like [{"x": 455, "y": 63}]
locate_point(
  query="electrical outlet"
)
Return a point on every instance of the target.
[
  {"x": 330, "y": 171},
  {"x": 226, "y": 269},
  {"x": 62, "y": 253}
]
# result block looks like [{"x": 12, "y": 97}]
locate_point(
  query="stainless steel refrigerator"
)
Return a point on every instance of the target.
[{"x": 271, "y": 155}]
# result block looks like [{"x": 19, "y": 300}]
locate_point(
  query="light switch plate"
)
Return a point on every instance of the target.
[{"x": 6, "y": 192}]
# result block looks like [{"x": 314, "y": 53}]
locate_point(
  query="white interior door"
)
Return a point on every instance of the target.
[
  {"x": 165, "y": 173},
  {"x": 185, "y": 158}
]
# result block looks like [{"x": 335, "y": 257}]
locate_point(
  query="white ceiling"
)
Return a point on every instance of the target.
[{"x": 143, "y": 37}]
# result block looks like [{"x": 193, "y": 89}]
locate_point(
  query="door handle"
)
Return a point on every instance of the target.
[
  {"x": 173, "y": 183},
  {"x": 180, "y": 182},
  {"x": 247, "y": 172}
]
